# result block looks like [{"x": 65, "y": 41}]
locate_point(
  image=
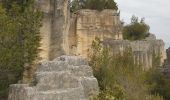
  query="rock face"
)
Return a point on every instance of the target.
[
  {"x": 167, "y": 62},
  {"x": 143, "y": 50},
  {"x": 55, "y": 28},
  {"x": 87, "y": 24},
  {"x": 72, "y": 34},
  {"x": 65, "y": 33},
  {"x": 45, "y": 7},
  {"x": 166, "y": 67},
  {"x": 65, "y": 78}
]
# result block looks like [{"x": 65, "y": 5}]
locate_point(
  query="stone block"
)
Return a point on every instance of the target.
[{"x": 73, "y": 81}]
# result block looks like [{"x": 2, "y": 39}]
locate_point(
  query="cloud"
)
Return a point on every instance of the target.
[{"x": 156, "y": 13}]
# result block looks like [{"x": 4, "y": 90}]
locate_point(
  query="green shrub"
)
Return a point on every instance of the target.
[
  {"x": 118, "y": 76},
  {"x": 19, "y": 40},
  {"x": 158, "y": 83},
  {"x": 135, "y": 30},
  {"x": 93, "y": 4}
]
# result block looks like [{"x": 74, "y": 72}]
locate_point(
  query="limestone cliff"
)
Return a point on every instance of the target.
[
  {"x": 166, "y": 66},
  {"x": 143, "y": 50},
  {"x": 72, "y": 34},
  {"x": 55, "y": 28},
  {"x": 87, "y": 24},
  {"x": 65, "y": 33}
]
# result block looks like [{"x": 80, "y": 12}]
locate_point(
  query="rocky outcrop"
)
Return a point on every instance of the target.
[
  {"x": 143, "y": 50},
  {"x": 54, "y": 32},
  {"x": 65, "y": 33},
  {"x": 88, "y": 24},
  {"x": 73, "y": 34},
  {"x": 46, "y": 29},
  {"x": 166, "y": 66},
  {"x": 167, "y": 61},
  {"x": 65, "y": 78}
]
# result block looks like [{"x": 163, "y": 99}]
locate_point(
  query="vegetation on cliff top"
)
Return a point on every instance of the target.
[
  {"x": 93, "y": 4},
  {"x": 19, "y": 40},
  {"x": 120, "y": 78},
  {"x": 136, "y": 30}
]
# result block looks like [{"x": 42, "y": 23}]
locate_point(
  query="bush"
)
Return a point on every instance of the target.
[
  {"x": 158, "y": 83},
  {"x": 118, "y": 76},
  {"x": 136, "y": 30},
  {"x": 93, "y": 4}
]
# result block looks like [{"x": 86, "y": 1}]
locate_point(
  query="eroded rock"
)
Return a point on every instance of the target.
[{"x": 65, "y": 78}]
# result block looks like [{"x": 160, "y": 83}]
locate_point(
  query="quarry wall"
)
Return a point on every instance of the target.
[
  {"x": 88, "y": 24},
  {"x": 65, "y": 33},
  {"x": 166, "y": 66},
  {"x": 73, "y": 33},
  {"x": 143, "y": 50},
  {"x": 54, "y": 31}
]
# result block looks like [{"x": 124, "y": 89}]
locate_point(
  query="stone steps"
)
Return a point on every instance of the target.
[
  {"x": 66, "y": 94},
  {"x": 82, "y": 70},
  {"x": 72, "y": 60},
  {"x": 57, "y": 80},
  {"x": 52, "y": 66},
  {"x": 65, "y": 78},
  {"x": 61, "y": 65}
]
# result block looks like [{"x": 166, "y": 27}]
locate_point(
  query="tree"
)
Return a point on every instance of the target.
[
  {"x": 136, "y": 30},
  {"x": 93, "y": 4},
  {"x": 110, "y": 4},
  {"x": 22, "y": 3},
  {"x": 134, "y": 19},
  {"x": 19, "y": 40},
  {"x": 75, "y": 5}
]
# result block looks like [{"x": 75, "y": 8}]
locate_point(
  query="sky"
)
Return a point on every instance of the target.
[{"x": 155, "y": 12}]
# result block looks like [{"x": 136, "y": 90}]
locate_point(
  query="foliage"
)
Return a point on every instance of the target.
[
  {"x": 23, "y": 4},
  {"x": 118, "y": 76},
  {"x": 93, "y": 4},
  {"x": 158, "y": 83},
  {"x": 19, "y": 39},
  {"x": 136, "y": 30}
]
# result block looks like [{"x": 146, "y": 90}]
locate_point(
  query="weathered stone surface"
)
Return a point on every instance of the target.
[
  {"x": 73, "y": 34},
  {"x": 151, "y": 37},
  {"x": 46, "y": 7},
  {"x": 166, "y": 66},
  {"x": 89, "y": 24},
  {"x": 142, "y": 50},
  {"x": 65, "y": 78},
  {"x": 54, "y": 31},
  {"x": 65, "y": 33},
  {"x": 167, "y": 62}
]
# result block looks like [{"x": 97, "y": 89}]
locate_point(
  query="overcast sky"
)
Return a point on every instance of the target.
[{"x": 156, "y": 13}]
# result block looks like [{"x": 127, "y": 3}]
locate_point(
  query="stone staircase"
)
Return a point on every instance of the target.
[{"x": 65, "y": 78}]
